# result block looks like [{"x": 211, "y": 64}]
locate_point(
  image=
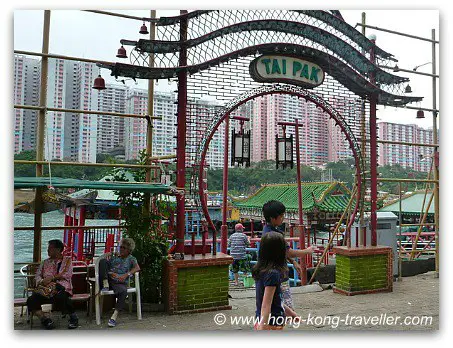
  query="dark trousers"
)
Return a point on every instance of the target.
[
  {"x": 62, "y": 300},
  {"x": 119, "y": 289}
]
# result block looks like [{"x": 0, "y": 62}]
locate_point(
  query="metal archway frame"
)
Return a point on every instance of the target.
[{"x": 280, "y": 89}]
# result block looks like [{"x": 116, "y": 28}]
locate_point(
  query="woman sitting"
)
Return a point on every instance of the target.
[
  {"x": 117, "y": 268},
  {"x": 54, "y": 285}
]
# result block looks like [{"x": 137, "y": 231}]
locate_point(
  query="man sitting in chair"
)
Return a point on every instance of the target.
[{"x": 114, "y": 272}]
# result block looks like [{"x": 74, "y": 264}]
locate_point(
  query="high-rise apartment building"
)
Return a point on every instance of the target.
[
  {"x": 56, "y": 98},
  {"x": 26, "y": 92},
  {"x": 110, "y": 129},
  {"x": 271, "y": 109},
  {"x": 413, "y": 157},
  {"x": 164, "y": 130},
  {"x": 80, "y": 129},
  {"x": 80, "y": 137}
]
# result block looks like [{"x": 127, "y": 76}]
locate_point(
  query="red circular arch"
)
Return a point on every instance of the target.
[{"x": 300, "y": 93}]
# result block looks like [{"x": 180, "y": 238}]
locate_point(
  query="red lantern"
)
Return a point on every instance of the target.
[
  {"x": 143, "y": 29},
  {"x": 99, "y": 83},
  {"x": 121, "y": 52},
  {"x": 420, "y": 114}
]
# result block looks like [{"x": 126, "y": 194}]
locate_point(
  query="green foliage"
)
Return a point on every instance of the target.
[
  {"x": 248, "y": 180},
  {"x": 151, "y": 243}
]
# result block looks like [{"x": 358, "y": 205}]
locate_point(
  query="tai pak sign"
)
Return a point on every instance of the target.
[{"x": 287, "y": 69}]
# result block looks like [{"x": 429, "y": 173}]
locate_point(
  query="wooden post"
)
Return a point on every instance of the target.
[
  {"x": 436, "y": 152},
  {"x": 400, "y": 262},
  {"x": 150, "y": 112},
  {"x": 37, "y": 238}
]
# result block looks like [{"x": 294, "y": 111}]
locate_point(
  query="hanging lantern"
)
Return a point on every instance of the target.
[
  {"x": 284, "y": 151},
  {"x": 121, "y": 52},
  {"x": 240, "y": 148},
  {"x": 143, "y": 29},
  {"x": 408, "y": 89},
  {"x": 420, "y": 114},
  {"x": 99, "y": 83}
]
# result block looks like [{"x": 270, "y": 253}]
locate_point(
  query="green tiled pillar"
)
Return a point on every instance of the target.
[
  {"x": 202, "y": 287},
  {"x": 363, "y": 270}
]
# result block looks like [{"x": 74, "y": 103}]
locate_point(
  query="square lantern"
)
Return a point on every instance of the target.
[
  {"x": 240, "y": 149},
  {"x": 284, "y": 151}
]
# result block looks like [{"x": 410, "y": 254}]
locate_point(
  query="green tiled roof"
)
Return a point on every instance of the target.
[
  {"x": 411, "y": 204},
  {"x": 287, "y": 194}
]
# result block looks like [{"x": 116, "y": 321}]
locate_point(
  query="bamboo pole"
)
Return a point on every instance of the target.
[
  {"x": 420, "y": 228},
  {"x": 121, "y": 15},
  {"x": 333, "y": 234},
  {"x": 436, "y": 149},
  {"x": 425, "y": 224},
  {"x": 400, "y": 262},
  {"x": 119, "y": 165},
  {"x": 149, "y": 124},
  {"x": 59, "y": 56},
  {"x": 426, "y": 191},
  {"x": 37, "y": 237},
  {"x": 406, "y": 143},
  {"x": 89, "y": 112},
  {"x": 405, "y": 180},
  {"x": 399, "y": 33}
]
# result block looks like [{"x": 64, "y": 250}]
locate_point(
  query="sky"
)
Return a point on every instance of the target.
[{"x": 99, "y": 38}]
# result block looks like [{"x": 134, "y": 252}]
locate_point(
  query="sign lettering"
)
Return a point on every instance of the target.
[{"x": 293, "y": 70}]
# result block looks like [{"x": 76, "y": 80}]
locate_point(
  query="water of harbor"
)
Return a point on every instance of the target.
[{"x": 23, "y": 240}]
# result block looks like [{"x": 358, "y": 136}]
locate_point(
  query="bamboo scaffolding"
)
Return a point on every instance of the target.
[
  {"x": 406, "y": 143},
  {"x": 414, "y": 244},
  {"x": 90, "y": 112},
  {"x": 400, "y": 219},
  {"x": 119, "y": 165},
  {"x": 404, "y": 180},
  {"x": 425, "y": 224},
  {"x": 113, "y": 14},
  {"x": 427, "y": 185},
  {"x": 40, "y": 138},
  {"x": 398, "y": 33},
  {"x": 59, "y": 56},
  {"x": 333, "y": 234},
  {"x": 149, "y": 125}
]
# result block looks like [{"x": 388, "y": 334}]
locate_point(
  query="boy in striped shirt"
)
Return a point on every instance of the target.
[{"x": 237, "y": 242}]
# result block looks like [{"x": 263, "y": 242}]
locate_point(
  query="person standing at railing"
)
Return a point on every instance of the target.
[
  {"x": 238, "y": 242},
  {"x": 274, "y": 214},
  {"x": 114, "y": 271}
]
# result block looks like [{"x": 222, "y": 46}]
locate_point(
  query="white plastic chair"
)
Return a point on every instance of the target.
[{"x": 99, "y": 294}]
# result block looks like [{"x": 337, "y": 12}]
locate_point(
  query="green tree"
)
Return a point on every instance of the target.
[{"x": 151, "y": 244}]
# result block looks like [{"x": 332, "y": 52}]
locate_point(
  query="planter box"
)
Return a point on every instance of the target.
[
  {"x": 363, "y": 270},
  {"x": 196, "y": 284}
]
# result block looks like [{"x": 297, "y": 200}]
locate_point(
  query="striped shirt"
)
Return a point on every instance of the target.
[{"x": 237, "y": 242}]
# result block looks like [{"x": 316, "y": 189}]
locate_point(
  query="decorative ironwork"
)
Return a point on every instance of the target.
[
  {"x": 221, "y": 44},
  {"x": 228, "y": 108}
]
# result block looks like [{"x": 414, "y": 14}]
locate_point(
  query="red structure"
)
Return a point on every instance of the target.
[{"x": 236, "y": 56}]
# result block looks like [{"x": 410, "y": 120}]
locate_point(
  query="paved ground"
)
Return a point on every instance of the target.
[{"x": 319, "y": 310}]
